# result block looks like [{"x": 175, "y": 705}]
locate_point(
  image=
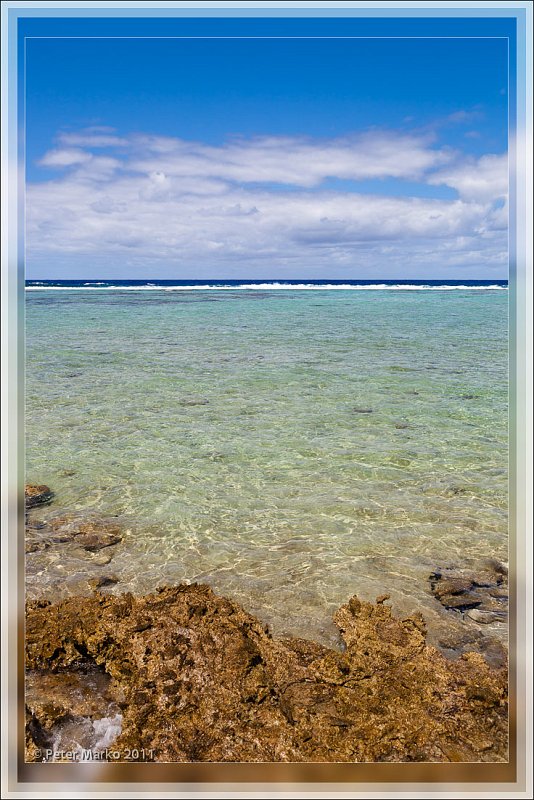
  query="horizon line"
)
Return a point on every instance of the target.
[{"x": 262, "y": 280}]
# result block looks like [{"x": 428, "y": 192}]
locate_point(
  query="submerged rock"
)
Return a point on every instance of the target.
[
  {"x": 82, "y": 538},
  {"x": 37, "y": 495},
  {"x": 91, "y": 535},
  {"x": 101, "y": 560},
  {"x": 199, "y": 679},
  {"x": 483, "y": 617},
  {"x": 460, "y": 602},
  {"x": 495, "y": 567},
  {"x": 35, "y": 547},
  {"x": 482, "y": 593},
  {"x": 194, "y": 401},
  {"x": 452, "y": 586},
  {"x": 103, "y": 581}
]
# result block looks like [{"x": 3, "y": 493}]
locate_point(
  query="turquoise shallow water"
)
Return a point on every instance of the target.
[{"x": 290, "y": 448}]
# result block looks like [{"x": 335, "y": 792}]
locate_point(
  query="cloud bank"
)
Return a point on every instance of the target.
[{"x": 142, "y": 205}]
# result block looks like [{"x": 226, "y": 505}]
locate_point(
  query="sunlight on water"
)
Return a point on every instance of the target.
[{"x": 288, "y": 448}]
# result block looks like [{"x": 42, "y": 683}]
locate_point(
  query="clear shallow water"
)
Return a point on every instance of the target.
[{"x": 230, "y": 432}]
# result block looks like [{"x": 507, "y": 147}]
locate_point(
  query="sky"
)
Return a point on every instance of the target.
[{"x": 297, "y": 156}]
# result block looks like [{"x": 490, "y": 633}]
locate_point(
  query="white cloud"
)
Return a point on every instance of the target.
[
  {"x": 464, "y": 116},
  {"x": 291, "y": 160},
  {"x": 484, "y": 181},
  {"x": 65, "y": 157},
  {"x": 97, "y": 168},
  {"x": 213, "y": 210},
  {"x": 91, "y": 138},
  {"x": 88, "y": 166}
]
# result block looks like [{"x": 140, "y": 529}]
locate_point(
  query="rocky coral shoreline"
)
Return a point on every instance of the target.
[
  {"x": 196, "y": 678},
  {"x": 185, "y": 675}
]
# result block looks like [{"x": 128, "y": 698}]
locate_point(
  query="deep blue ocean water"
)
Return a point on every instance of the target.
[{"x": 272, "y": 284}]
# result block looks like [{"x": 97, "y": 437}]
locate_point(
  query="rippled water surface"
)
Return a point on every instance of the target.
[{"x": 291, "y": 448}]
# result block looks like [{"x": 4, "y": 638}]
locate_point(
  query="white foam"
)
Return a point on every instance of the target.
[
  {"x": 106, "y": 730},
  {"x": 271, "y": 286}
]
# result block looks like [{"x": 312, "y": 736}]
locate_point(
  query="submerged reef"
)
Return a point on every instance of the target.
[{"x": 194, "y": 677}]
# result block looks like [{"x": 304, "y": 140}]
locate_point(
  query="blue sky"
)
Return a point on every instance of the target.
[{"x": 266, "y": 157}]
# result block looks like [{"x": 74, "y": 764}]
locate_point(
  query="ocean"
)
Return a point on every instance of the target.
[{"x": 290, "y": 443}]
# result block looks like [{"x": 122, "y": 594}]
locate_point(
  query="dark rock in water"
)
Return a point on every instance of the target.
[
  {"x": 495, "y": 566},
  {"x": 457, "y": 640},
  {"x": 91, "y": 535},
  {"x": 452, "y": 586},
  {"x": 199, "y": 679},
  {"x": 493, "y": 651},
  {"x": 461, "y": 601},
  {"x": 85, "y": 539},
  {"x": 487, "y": 579},
  {"x": 37, "y": 495},
  {"x": 103, "y": 581},
  {"x": 498, "y": 609},
  {"x": 34, "y": 525},
  {"x": 98, "y": 539},
  {"x": 382, "y": 598},
  {"x": 35, "y": 546},
  {"x": 499, "y": 592},
  {"x": 483, "y": 617},
  {"x": 451, "y": 491},
  {"x": 194, "y": 401},
  {"x": 483, "y": 591},
  {"x": 363, "y": 410},
  {"x": 101, "y": 559}
]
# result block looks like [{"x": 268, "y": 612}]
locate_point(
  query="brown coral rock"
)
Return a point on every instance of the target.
[
  {"x": 37, "y": 495},
  {"x": 202, "y": 680}
]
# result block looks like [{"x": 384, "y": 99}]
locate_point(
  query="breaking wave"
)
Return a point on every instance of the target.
[{"x": 267, "y": 286}]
